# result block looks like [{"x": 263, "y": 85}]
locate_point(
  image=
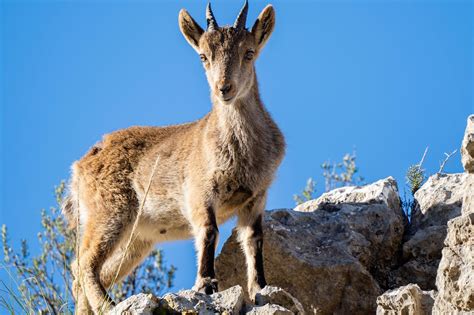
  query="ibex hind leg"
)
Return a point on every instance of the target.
[
  {"x": 81, "y": 305},
  {"x": 124, "y": 258},
  {"x": 100, "y": 238}
]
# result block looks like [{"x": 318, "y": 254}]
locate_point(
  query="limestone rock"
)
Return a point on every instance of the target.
[
  {"x": 467, "y": 153},
  {"x": 229, "y": 301},
  {"x": 143, "y": 304},
  {"x": 323, "y": 257},
  {"x": 409, "y": 300},
  {"x": 455, "y": 279},
  {"x": 468, "y": 200},
  {"x": 383, "y": 191},
  {"x": 269, "y": 309},
  {"x": 188, "y": 301},
  {"x": 439, "y": 200},
  {"x": 275, "y": 295},
  {"x": 467, "y": 148}
]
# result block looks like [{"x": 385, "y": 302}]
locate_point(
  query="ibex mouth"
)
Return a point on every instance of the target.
[{"x": 227, "y": 100}]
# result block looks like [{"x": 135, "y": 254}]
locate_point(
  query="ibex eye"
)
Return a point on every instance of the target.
[
  {"x": 203, "y": 57},
  {"x": 249, "y": 54}
]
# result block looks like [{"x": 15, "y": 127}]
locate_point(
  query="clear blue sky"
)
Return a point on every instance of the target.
[{"x": 388, "y": 78}]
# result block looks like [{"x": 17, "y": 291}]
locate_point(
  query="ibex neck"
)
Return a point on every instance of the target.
[
  {"x": 240, "y": 126},
  {"x": 246, "y": 112}
]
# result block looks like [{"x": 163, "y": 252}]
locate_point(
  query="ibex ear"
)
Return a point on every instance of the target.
[
  {"x": 190, "y": 29},
  {"x": 263, "y": 27}
]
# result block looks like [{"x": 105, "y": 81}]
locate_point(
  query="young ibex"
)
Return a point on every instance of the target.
[{"x": 195, "y": 176}]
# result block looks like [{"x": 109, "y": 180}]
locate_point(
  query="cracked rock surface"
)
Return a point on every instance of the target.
[
  {"x": 333, "y": 254},
  {"x": 231, "y": 301}
]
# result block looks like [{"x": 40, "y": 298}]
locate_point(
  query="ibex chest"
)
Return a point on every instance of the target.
[{"x": 231, "y": 192}]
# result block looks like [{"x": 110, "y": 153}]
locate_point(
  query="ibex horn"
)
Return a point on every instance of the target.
[
  {"x": 242, "y": 17},
  {"x": 211, "y": 20}
]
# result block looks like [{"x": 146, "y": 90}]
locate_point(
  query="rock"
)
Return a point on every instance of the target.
[
  {"x": 467, "y": 147},
  {"x": 409, "y": 300},
  {"x": 323, "y": 257},
  {"x": 269, "y": 309},
  {"x": 144, "y": 304},
  {"x": 230, "y": 301},
  {"x": 455, "y": 279},
  {"x": 188, "y": 301},
  {"x": 383, "y": 191},
  {"x": 420, "y": 256},
  {"x": 275, "y": 295},
  {"x": 425, "y": 243},
  {"x": 439, "y": 200},
  {"x": 468, "y": 200},
  {"x": 467, "y": 153}
]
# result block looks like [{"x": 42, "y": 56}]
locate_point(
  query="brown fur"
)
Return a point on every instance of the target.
[{"x": 208, "y": 171}]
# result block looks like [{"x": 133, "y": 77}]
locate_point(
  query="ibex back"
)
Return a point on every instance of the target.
[{"x": 206, "y": 172}]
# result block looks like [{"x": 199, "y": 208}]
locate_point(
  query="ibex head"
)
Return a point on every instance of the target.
[{"x": 228, "y": 53}]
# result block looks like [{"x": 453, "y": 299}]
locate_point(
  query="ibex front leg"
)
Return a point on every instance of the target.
[
  {"x": 250, "y": 234},
  {"x": 206, "y": 234}
]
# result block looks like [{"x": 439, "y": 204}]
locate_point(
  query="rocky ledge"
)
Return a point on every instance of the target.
[
  {"x": 271, "y": 300},
  {"x": 339, "y": 253}
]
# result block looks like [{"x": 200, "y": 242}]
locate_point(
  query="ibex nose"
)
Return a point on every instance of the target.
[{"x": 225, "y": 88}]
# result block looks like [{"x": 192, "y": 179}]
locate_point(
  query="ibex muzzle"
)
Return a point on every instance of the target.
[{"x": 181, "y": 181}]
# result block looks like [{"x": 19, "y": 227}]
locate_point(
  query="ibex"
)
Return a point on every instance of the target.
[{"x": 194, "y": 176}]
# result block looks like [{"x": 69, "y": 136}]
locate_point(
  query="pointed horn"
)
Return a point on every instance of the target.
[
  {"x": 211, "y": 20},
  {"x": 242, "y": 17}
]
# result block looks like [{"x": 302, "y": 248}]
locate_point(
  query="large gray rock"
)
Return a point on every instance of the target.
[
  {"x": 439, "y": 200},
  {"x": 407, "y": 300},
  {"x": 331, "y": 259}
]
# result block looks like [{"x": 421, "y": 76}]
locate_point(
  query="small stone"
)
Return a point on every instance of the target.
[
  {"x": 408, "y": 300},
  {"x": 275, "y": 295},
  {"x": 230, "y": 301},
  {"x": 269, "y": 309},
  {"x": 140, "y": 304}
]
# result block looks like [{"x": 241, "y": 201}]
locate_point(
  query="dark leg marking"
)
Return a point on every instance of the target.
[{"x": 258, "y": 236}]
